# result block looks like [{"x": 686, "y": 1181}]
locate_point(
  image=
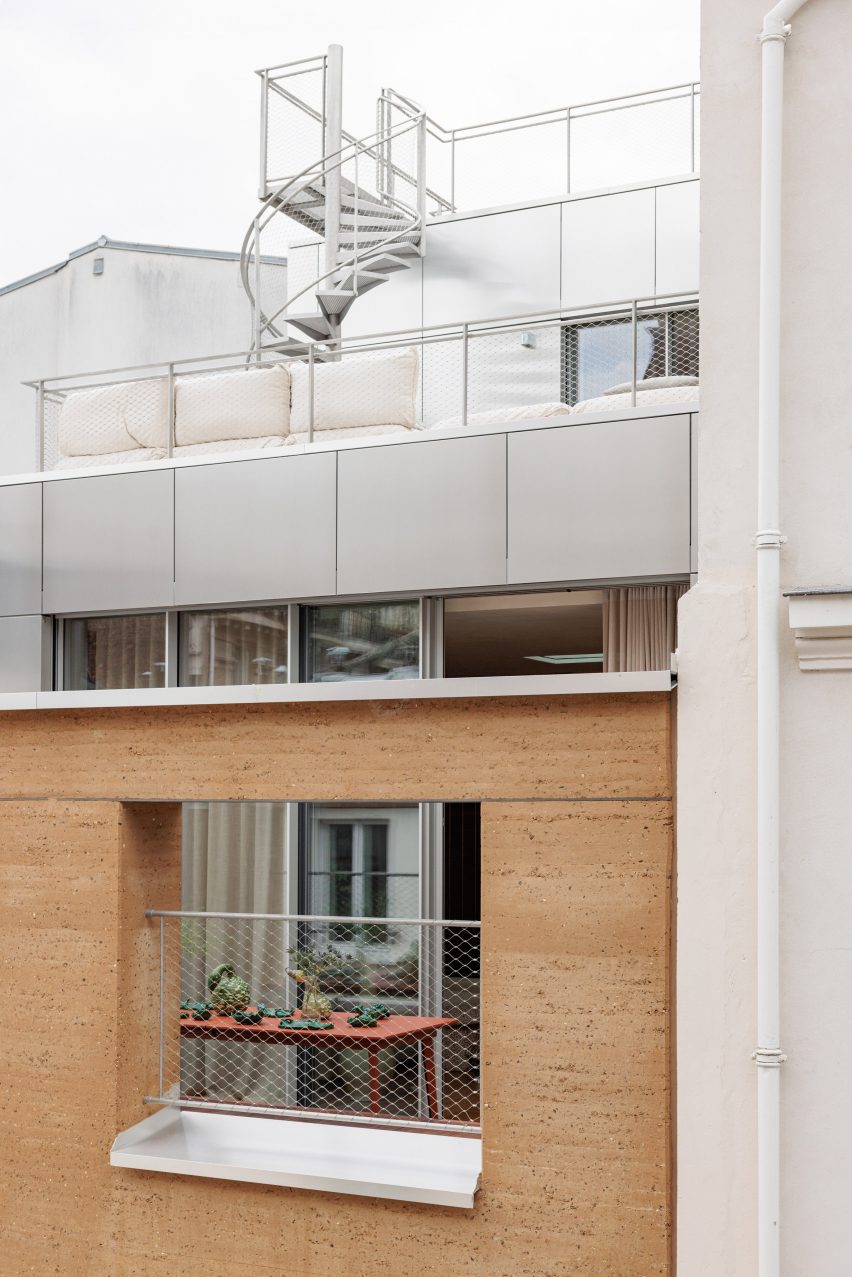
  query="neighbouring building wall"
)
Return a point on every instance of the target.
[
  {"x": 144, "y": 307},
  {"x": 716, "y": 1008},
  {"x": 576, "y": 872}
]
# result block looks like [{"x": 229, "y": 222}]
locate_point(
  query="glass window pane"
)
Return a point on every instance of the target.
[
  {"x": 115, "y": 651},
  {"x": 600, "y": 356},
  {"x": 235, "y": 647},
  {"x": 559, "y": 632},
  {"x": 357, "y": 641}
]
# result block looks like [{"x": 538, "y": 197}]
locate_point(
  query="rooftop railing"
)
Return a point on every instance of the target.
[
  {"x": 582, "y": 147},
  {"x": 573, "y": 148},
  {"x": 346, "y": 1019},
  {"x": 640, "y": 351}
]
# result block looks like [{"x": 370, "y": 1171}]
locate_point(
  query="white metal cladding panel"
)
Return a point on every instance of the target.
[
  {"x": 20, "y": 548},
  {"x": 260, "y": 529},
  {"x": 677, "y": 238},
  {"x": 109, "y": 542},
  {"x": 608, "y": 248},
  {"x": 600, "y": 501},
  {"x": 24, "y": 646},
  {"x": 487, "y": 267},
  {"x": 422, "y": 516}
]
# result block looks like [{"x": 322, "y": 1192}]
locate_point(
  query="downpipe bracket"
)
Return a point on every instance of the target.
[
  {"x": 769, "y": 539},
  {"x": 768, "y": 1057}
]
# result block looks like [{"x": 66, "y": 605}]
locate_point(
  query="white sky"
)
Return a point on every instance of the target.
[{"x": 139, "y": 119}]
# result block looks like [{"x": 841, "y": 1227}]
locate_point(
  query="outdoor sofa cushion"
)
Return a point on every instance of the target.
[
  {"x": 115, "y": 418},
  {"x": 358, "y": 390},
  {"x": 644, "y": 398},
  {"x": 250, "y": 403},
  {"x": 230, "y": 445},
  {"x": 498, "y": 416},
  {"x": 348, "y": 432},
  {"x": 125, "y": 458}
]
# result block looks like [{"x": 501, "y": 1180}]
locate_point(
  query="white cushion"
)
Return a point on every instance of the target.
[
  {"x": 230, "y": 445},
  {"x": 125, "y": 458},
  {"x": 373, "y": 389},
  {"x": 248, "y": 404},
  {"x": 666, "y": 395},
  {"x": 115, "y": 418},
  {"x": 348, "y": 432},
  {"x": 651, "y": 383},
  {"x": 496, "y": 416}
]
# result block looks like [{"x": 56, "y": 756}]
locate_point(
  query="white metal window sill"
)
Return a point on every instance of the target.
[
  {"x": 405, "y": 1166},
  {"x": 365, "y": 690}
]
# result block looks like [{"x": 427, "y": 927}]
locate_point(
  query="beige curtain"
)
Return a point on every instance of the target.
[
  {"x": 234, "y": 647},
  {"x": 234, "y": 861},
  {"x": 126, "y": 651},
  {"x": 640, "y": 627}
]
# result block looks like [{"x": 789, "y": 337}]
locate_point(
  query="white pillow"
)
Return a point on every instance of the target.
[
  {"x": 496, "y": 416},
  {"x": 230, "y": 445},
  {"x": 348, "y": 432},
  {"x": 373, "y": 389},
  {"x": 247, "y": 404},
  {"x": 125, "y": 458},
  {"x": 644, "y": 399},
  {"x": 651, "y": 383},
  {"x": 115, "y": 418}
]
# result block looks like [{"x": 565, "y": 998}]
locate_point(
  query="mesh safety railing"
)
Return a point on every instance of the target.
[
  {"x": 638, "y": 353},
  {"x": 322, "y": 1017},
  {"x": 582, "y": 147}
]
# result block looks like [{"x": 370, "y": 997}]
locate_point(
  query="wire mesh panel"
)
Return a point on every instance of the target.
[
  {"x": 346, "y": 1018},
  {"x": 295, "y": 118},
  {"x": 654, "y": 353},
  {"x": 652, "y": 136}
]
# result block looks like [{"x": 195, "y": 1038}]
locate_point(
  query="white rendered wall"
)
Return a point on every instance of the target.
[
  {"x": 144, "y": 307},
  {"x": 716, "y": 1031}
]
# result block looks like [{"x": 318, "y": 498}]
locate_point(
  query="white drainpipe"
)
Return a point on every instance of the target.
[{"x": 768, "y": 541}]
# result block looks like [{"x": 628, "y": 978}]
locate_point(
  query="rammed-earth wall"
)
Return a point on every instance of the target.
[{"x": 577, "y": 867}]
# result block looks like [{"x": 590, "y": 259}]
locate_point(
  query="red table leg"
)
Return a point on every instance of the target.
[
  {"x": 373, "y": 1055},
  {"x": 429, "y": 1072}
]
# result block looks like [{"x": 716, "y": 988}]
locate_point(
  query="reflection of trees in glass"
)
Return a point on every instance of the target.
[{"x": 371, "y": 641}]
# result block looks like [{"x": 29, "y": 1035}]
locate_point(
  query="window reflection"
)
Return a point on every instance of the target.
[
  {"x": 235, "y": 647},
  {"x": 115, "y": 651},
  {"x": 352, "y": 641}
]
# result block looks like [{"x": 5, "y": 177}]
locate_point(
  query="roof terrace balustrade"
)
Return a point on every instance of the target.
[{"x": 471, "y": 374}]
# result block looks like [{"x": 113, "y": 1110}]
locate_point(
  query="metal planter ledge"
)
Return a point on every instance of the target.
[{"x": 406, "y": 1166}]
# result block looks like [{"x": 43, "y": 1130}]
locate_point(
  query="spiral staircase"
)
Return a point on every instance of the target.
[{"x": 369, "y": 232}]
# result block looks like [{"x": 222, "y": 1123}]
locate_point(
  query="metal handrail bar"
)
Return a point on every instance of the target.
[
  {"x": 627, "y": 99},
  {"x": 282, "y": 66},
  {"x": 309, "y": 917},
  {"x": 450, "y": 328},
  {"x": 629, "y": 106}
]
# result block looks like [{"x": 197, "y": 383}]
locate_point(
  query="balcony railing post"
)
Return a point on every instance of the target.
[
  {"x": 264, "y": 131},
  {"x": 171, "y": 449},
  {"x": 311, "y": 383},
  {"x": 634, "y": 334},
  {"x": 568, "y": 149},
  {"x": 453, "y": 171},
  {"x": 40, "y": 425},
  {"x": 692, "y": 127},
  {"x": 421, "y": 171},
  {"x": 464, "y": 372},
  {"x": 256, "y": 310}
]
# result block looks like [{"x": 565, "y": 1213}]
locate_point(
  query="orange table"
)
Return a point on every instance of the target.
[{"x": 396, "y": 1030}]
